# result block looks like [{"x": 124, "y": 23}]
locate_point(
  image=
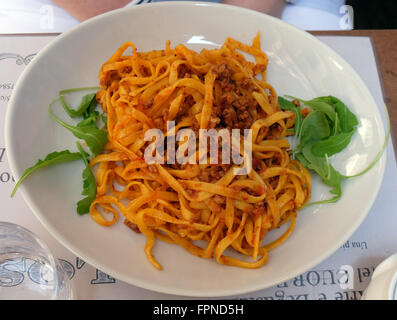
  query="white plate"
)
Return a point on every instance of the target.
[{"x": 300, "y": 65}]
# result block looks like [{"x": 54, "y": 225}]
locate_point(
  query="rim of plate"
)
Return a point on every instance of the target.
[{"x": 136, "y": 281}]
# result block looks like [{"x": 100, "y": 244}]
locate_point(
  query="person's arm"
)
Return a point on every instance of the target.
[
  {"x": 85, "y": 9},
  {"x": 271, "y": 7}
]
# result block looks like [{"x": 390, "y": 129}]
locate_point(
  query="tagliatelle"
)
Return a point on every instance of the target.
[{"x": 205, "y": 208}]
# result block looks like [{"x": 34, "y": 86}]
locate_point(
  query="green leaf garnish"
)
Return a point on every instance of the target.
[
  {"x": 288, "y": 105},
  {"x": 87, "y": 104},
  {"x": 314, "y": 128},
  {"x": 326, "y": 131},
  {"x": 89, "y": 185},
  {"x": 322, "y": 166},
  {"x": 333, "y": 144},
  {"x": 348, "y": 121},
  {"x": 51, "y": 159},
  {"x": 319, "y": 104},
  {"x": 88, "y": 131}
]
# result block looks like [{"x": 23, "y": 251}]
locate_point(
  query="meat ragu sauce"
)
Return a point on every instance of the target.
[
  {"x": 234, "y": 107},
  {"x": 233, "y": 102}
]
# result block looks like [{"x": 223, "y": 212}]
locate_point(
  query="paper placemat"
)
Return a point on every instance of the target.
[{"x": 344, "y": 275}]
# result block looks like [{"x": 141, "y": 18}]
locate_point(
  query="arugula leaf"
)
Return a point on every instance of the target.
[
  {"x": 89, "y": 185},
  {"x": 335, "y": 183},
  {"x": 88, "y": 102},
  {"x": 90, "y": 119},
  {"x": 104, "y": 119},
  {"x": 324, "y": 169},
  {"x": 301, "y": 158},
  {"x": 348, "y": 121},
  {"x": 88, "y": 131},
  {"x": 51, "y": 159},
  {"x": 319, "y": 104},
  {"x": 326, "y": 99},
  {"x": 288, "y": 105},
  {"x": 314, "y": 128},
  {"x": 333, "y": 144},
  {"x": 90, "y": 109},
  {"x": 337, "y": 128},
  {"x": 315, "y": 163},
  {"x": 325, "y": 131}
]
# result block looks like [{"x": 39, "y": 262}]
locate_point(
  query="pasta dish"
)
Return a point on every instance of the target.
[{"x": 203, "y": 203}]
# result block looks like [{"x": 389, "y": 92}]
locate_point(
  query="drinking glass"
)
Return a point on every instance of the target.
[{"x": 28, "y": 270}]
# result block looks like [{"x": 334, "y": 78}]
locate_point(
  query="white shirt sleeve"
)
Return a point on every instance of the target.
[
  {"x": 33, "y": 16},
  {"x": 319, "y": 15}
]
